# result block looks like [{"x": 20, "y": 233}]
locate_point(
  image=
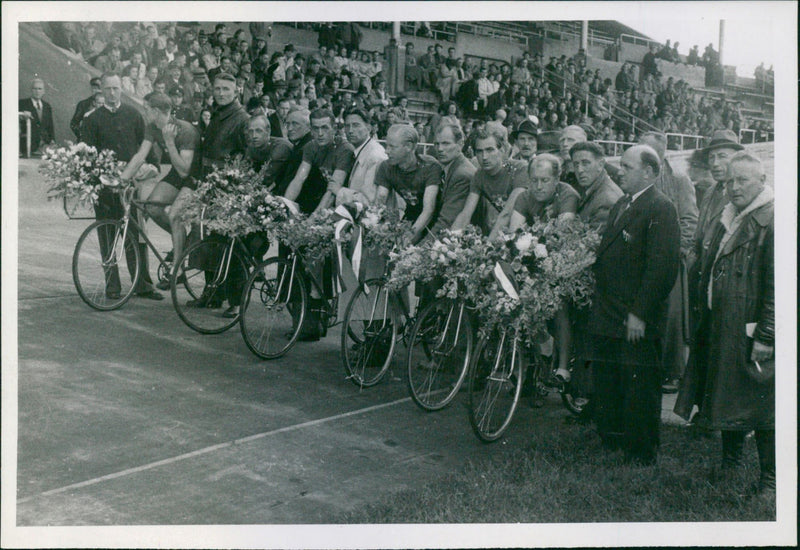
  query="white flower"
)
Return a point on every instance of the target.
[
  {"x": 371, "y": 220},
  {"x": 540, "y": 250},
  {"x": 524, "y": 242}
]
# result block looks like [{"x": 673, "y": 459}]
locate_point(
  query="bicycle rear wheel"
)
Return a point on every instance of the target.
[
  {"x": 208, "y": 274},
  {"x": 369, "y": 334},
  {"x": 439, "y": 352},
  {"x": 105, "y": 269},
  {"x": 495, "y": 383},
  {"x": 273, "y": 308}
]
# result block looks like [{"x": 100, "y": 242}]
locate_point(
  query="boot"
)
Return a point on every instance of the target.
[
  {"x": 765, "y": 443},
  {"x": 732, "y": 449}
]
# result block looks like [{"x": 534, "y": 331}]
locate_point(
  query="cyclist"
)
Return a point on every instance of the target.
[
  {"x": 409, "y": 181},
  {"x": 179, "y": 140},
  {"x": 322, "y": 173},
  {"x": 495, "y": 186},
  {"x": 548, "y": 198}
]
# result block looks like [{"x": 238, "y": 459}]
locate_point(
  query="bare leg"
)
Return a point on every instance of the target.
[
  {"x": 163, "y": 193},
  {"x": 177, "y": 225}
]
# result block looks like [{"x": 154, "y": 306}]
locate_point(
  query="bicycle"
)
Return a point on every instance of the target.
[
  {"x": 495, "y": 383},
  {"x": 95, "y": 262},
  {"x": 375, "y": 319},
  {"x": 276, "y": 303},
  {"x": 209, "y": 272},
  {"x": 439, "y": 353},
  {"x": 498, "y": 378}
]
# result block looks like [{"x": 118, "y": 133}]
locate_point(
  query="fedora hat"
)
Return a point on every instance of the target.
[
  {"x": 722, "y": 139},
  {"x": 527, "y": 126}
]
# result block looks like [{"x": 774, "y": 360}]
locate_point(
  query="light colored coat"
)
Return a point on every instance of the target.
[{"x": 361, "y": 183}]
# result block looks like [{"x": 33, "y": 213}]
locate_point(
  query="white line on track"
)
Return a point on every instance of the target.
[{"x": 211, "y": 449}]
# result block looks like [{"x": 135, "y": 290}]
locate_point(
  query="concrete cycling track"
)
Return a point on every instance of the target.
[{"x": 131, "y": 418}]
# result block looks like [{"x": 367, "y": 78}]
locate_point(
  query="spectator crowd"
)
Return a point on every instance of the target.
[{"x": 338, "y": 74}]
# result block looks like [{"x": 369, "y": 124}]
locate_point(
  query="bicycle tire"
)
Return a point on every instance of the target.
[
  {"x": 369, "y": 334},
  {"x": 268, "y": 325},
  {"x": 495, "y": 384},
  {"x": 92, "y": 273},
  {"x": 189, "y": 285},
  {"x": 439, "y": 353}
]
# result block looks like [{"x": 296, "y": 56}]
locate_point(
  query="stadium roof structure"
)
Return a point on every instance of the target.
[{"x": 615, "y": 28}]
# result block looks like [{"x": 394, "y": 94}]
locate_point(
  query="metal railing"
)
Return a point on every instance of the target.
[
  {"x": 679, "y": 142},
  {"x": 637, "y": 40},
  {"x": 636, "y": 122},
  {"x": 613, "y": 148},
  {"x": 748, "y": 136}
]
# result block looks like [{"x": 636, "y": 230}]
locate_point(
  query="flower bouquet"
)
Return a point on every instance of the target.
[
  {"x": 231, "y": 200},
  {"x": 79, "y": 172},
  {"x": 548, "y": 263},
  {"x": 460, "y": 259},
  {"x": 311, "y": 236},
  {"x": 382, "y": 228}
]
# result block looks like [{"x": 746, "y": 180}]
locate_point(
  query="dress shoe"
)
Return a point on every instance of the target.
[
  {"x": 150, "y": 295},
  {"x": 231, "y": 313}
]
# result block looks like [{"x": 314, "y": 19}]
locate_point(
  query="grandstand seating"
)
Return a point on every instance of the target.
[{"x": 507, "y": 41}]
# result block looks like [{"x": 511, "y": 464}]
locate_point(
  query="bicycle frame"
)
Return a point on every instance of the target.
[
  {"x": 128, "y": 203},
  {"x": 297, "y": 262},
  {"x": 461, "y": 311}
]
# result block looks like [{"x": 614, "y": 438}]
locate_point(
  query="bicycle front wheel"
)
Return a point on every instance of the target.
[
  {"x": 439, "y": 352},
  {"x": 369, "y": 334},
  {"x": 273, "y": 308},
  {"x": 209, "y": 274},
  {"x": 495, "y": 383},
  {"x": 105, "y": 266}
]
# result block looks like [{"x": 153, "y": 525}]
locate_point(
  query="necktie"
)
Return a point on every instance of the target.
[
  {"x": 625, "y": 203},
  {"x": 38, "y": 105}
]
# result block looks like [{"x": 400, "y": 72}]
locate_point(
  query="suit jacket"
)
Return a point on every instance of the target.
[
  {"x": 598, "y": 200},
  {"x": 679, "y": 190},
  {"x": 710, "y": 210},
  {"x": 42, "y": 131},
  {"x": 275, "y": 129},
  {"x": 454, "y": 191},
  {"x": 83, "y": 107},
  {"x": 637, "y": 263}
]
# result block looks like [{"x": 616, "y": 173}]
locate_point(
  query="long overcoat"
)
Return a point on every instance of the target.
[{"x": 743, "y": 293}]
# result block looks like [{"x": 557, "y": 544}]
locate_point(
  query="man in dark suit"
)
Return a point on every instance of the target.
[
  {"x": 39, "y": 112},
  {"x": 637, "y": 262},
  {"x": 84, "y": 106},
  {"x": 277, "y": 120}
]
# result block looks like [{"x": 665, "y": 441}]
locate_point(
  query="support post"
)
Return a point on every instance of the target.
[{"x": 585, "y": 36}]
